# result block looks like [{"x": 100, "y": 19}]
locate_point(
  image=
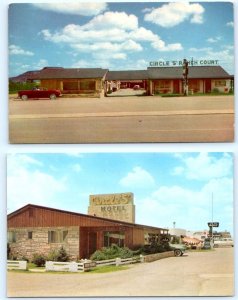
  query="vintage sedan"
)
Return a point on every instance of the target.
[
  {"x": 39, "y": 93},
  {"x": 179, "y": 249}
]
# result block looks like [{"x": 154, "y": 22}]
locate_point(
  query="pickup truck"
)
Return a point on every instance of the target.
[{"x": 38, "y": 93}]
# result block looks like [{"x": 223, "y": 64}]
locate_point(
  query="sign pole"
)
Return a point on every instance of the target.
[{"x": 185, "y": 77}]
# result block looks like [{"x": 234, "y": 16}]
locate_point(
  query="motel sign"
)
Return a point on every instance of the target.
[{"x": 179, "y": 63}]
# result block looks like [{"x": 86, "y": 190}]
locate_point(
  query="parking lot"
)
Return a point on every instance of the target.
[
  {"x": 206, "y": 273},
  {"x": 122, "y": 119}
]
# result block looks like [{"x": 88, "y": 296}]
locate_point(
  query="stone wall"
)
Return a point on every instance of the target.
[
  {"x": 157, "y": 256},
  {"x": 25, "y": 247}
]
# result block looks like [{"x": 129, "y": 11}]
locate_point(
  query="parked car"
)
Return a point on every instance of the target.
[
  {"x": 179, "y": 249},
  {"x": 38, "y": 93}
]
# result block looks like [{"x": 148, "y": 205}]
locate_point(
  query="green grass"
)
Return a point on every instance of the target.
[{"x": 107, "y": 269}]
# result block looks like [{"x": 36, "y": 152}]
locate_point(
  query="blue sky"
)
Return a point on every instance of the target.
[
  {"x": 167, "y": 187},
  {"x": 118, "y": 35}
]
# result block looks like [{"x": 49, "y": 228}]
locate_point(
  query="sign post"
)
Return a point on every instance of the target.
[{"x": 185, "y": 77}]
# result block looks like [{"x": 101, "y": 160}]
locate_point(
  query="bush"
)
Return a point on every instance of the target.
[
  {"x": 39, "y": 259},
  {"x": 58, "y": 255},
  {"x": 112, "y": 252},
  {"x": 155, "y": 248}
]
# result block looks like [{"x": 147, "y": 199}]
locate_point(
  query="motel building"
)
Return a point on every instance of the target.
[
  {"x": 157, "y": 79},
  {"x": 110, "y": 220}
]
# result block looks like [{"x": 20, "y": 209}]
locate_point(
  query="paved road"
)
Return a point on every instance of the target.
[
  {"x": 195, "y": 274},
  {"x": 122, "y": 119}
]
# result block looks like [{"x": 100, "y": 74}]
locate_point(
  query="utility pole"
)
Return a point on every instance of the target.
[{"x": 185, "y": 77}]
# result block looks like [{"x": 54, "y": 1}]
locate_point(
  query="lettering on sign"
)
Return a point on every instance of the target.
[
  {"x": 176, "y": 63},
  {"x": 112, "y": 208},
  {"x": 111, "y": 199}
]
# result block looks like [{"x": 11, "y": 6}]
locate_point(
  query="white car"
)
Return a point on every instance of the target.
[{"x": 225, "y": 242}]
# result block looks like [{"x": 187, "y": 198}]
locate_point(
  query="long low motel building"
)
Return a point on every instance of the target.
[
  {"x": 37, "y": 229},
  {"x": 99, "y": 82}
]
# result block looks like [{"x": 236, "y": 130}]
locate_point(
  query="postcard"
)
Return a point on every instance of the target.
[{"x": 121, "y": 72}]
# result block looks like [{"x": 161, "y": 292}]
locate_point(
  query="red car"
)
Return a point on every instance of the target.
[{"x": 39, "y": 93}]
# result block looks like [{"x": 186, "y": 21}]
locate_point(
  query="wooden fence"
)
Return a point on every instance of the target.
[
  {"x": 69, "y": 266},
  {"x": 16, "y": 265}
]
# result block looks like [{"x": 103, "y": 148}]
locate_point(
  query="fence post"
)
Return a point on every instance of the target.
[
  {"x": 118, "y": 261},
  {"x": 49, "y": 266},
  {"x": 73, "y": 267},
  {"x": 142, "y": 259}
]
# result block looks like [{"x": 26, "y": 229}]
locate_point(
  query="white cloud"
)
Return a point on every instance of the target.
[
  {"x": 188, "y": 207},
  {"x": 113, "y": 20},
  {"x": 74, "y": 8},
  {"x": 30, "y": 185},
  {"x": 205, "y": 166},
  {"x": 114, "y": 32},
  {"x": 214, "y": 40},
  {"x": 230, "y": 24},
  {"x": 139, "y": 178},
  {"x": 172, "y": 14},
  {"x": 17, "y": 50}
]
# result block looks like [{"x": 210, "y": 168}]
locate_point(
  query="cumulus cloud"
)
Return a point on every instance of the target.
[
  {"x": 172, "y": 14},
  {"x": 112, "y": 33},
  {"x": 17, "y": 50},
  {"x": 74, "y": 8},
  {"x": 139, "y": 178},
  {"x": 30, "y": 185},
  {"x": 205, "y": 166},
  {"x": 214, "y": 40},
  {"x": 183, "y": 205}
]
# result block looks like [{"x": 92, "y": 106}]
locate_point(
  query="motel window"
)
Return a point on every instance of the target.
[
  {"x": 11, "y": 237},
  {"x": 220, "y": 83},
  {"x": 70, "y": 85},
  {"x": 57, "y": 236},
  {"x": 115, "y": 237},
  {"x": 164, "y": 84},
  {"x": 88, "y": 85},
  {"x": 30, "y": 235}
]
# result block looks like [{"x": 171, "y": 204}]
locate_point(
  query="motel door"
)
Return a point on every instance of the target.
[
  {"x": 176, "y": 87},
  {"x": 92, "y": 242},
  {"x": 208, "y": 85}
]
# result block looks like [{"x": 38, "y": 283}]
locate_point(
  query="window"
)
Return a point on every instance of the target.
[
  {"x": 70, "y": 85},
  {"x": 11, "y": 237},
  {"x": 30, "y": 235},
  {"x": 220, "y": 83},
  {"x": 57, "y": 236},
  {"x": 115, "y": 237},
  {"x": 88, "y": 85}
]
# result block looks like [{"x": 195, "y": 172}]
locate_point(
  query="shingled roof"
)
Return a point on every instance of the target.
[
  {"x": 127, "y": 75},
  {"x": 196, "y": 72}
]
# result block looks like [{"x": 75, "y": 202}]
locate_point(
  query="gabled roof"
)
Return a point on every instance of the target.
[
  {"x": 29, "y": 206},
  {"x": 71, "y": 73},
  {"x": 196, "y": 72},
  {"x": 127, "y": 75}
]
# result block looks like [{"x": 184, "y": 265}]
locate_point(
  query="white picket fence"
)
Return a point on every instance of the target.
[
  {"x": 120, "y": 261},
  {"x": 69, "y": 266},
  {"x": 16, "y": 265}
]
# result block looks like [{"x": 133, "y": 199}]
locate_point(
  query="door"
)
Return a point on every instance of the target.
[
  {"x": 92, "y": 243},
  {"x": 208, "y": 85},
  {"x": 176, "y": 87}
]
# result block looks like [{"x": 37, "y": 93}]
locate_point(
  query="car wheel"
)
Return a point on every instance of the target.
[
  {"x": 52, "y": 96},
  {"x": 24, "y": 97},
  {"x": 178, "y": 252}
]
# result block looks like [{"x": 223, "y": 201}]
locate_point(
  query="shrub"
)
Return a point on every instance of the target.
[
  {"x": 39, "y": 259},
  {"x": 58, "y": 255},
  {"x": 112, "y": 252},
  {"x": 156, "y": 248},
  {"x": 8, "y": 251}
]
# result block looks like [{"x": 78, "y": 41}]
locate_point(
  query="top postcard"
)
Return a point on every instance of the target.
[{"x": 118, "y": 72}]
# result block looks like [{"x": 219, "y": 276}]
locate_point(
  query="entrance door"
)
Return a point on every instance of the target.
[
  {"x": 176, "y": 87},
  {"x": 92, "y": 242},
  {"x": 208, "y": 85}
]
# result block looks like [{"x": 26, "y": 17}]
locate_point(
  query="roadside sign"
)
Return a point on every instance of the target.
[{"x": 213, "y": 224}]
